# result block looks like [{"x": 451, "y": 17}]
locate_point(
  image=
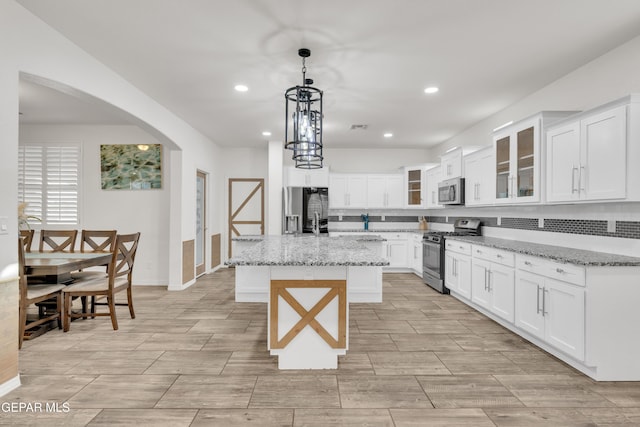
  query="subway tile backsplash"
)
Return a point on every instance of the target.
[{"x": 589, "y": 227}]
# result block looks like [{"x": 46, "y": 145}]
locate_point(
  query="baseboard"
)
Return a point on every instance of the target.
[{"x": 10, "y": 385}]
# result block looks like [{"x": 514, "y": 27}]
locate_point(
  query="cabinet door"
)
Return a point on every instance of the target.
[
  {"x": 376, "y": 191},
  {"x": 451, "y": 164},
  {"x": 526, "y": 179},
  {"x": 463, "y": 274},
  {"x": 416, "y": 258},
  {"x": 394, "y": 190},
  {"x": 563, "y": 163},
  {"x": 414, "y": 190},
  {"x": 357, "y": 194},
  {"x": 478, "y": 169},
  {"x": 603, "y": 155},
  {"x": 397, "y": 253},
  {"x": 501, "y": 286},
  {"x": 338, "y": 191},
  {"x": 503, "y": 167},
  {"x": 563, "y": 309},
  {"x": 480, "y": 293},
  {"x": 528, "y": 305},
  {"x": 450, "y": 277},
  {"x": 432, "y": 178}
]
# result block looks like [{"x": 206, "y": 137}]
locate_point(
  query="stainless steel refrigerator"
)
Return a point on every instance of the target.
[{"x": 303, "y": 207}]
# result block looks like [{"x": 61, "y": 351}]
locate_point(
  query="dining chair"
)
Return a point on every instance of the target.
[
  {"x": 58, "y": 240},
  {"x": 92, "y": 241},
  {"x": 32, "y": 294},
  {"x": 27, "y": 236},
  {"x": 118, "y": 279}
]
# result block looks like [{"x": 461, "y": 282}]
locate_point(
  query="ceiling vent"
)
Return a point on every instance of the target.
[{"x": 359, "y": 127}]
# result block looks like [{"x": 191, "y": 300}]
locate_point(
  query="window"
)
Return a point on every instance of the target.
[{"x": 48, "y": 181}]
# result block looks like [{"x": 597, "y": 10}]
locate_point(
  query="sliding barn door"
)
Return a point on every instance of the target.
[{"x": 246, "y": 208}]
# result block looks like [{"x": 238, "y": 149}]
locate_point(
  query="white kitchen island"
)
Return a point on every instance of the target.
[{"x": 308, "y": 283}]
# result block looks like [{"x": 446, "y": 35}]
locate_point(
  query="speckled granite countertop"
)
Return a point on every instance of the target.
[
  {"x": 308, "y": 250},
  {"x": 361, "y": 230},
  {"x": 260, "y": 238},
  {"x": 555, "y": 253}
]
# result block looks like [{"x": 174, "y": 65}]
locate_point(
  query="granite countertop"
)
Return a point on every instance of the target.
[
  {"x": 555, "y": 253},
  {"x": 362, "y": 230},
  {"x": 308, "y": 250},
  {"x": 260, "y": 237}
]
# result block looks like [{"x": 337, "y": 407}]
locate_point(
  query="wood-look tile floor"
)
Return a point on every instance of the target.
[{"x": 197, "y": 358}]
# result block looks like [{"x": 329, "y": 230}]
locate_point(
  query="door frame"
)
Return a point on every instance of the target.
[{"x": 201, "y": 268}]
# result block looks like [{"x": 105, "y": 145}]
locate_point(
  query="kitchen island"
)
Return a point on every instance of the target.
[{"x": 308, "y": 283}]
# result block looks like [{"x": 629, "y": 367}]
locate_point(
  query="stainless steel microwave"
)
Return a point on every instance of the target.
[{"x": 451, "y": 192}]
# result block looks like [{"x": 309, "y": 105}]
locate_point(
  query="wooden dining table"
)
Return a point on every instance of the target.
[{"x": 56, "y": 267}]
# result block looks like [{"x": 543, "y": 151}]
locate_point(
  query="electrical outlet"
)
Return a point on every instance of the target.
[
  {"x": 499, "y": 221},
  {"x": 540, "y": 222},
  {"x": 611, "y": 226},
  {"x": 382, "y": 218},
  {"x": 339, "y": 217},
  {"x": 4, "y": 225}
]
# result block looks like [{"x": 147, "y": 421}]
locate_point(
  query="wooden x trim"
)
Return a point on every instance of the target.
[
  {"x": 337, "y": 288},
  {"x": 246, "y": 200}
]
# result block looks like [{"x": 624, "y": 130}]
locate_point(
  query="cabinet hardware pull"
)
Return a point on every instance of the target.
[
  {"x": 538, "y": 300},
  {"x": 489, "y": 282},
  {"x": 461, "y": 247},
  {"x": 580, "y": 182},
  {"x": 527, "y": 263},
  {"x": 559, "y": 270},
  {"x": 499, "y": 256},
  {"x": 573, "y": 179},
  {"x": 544, "y": 302}
]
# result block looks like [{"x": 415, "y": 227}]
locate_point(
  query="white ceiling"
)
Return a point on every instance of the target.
[{"x": 372, "y": 58}]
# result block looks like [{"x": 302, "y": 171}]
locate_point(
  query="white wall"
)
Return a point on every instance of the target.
[
  {"x": 611, "y": 76},
  {"x": 127, "y": 211},
  {"x": 39, "y": 53}
]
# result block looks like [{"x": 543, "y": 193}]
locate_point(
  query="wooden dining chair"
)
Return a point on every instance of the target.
[
  {"x": 92, "y": 241},
  {"x": 58, "y": 240},
  {"x": 27, "y": 238},
  {"x": 118, "y": 279},
  {"x": 32, "y": 294}
]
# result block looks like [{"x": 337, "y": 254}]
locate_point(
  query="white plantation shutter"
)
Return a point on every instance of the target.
[{"x": 48, "y": 180}]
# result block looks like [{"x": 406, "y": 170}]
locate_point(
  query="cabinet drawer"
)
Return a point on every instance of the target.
[
  {"x": 458, "y": 247},
  {"x": 555, "y": 270},
  {"x": 494, "y": 255}
]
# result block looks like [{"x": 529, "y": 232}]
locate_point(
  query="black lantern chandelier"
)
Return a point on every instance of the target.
[{"x": 303, "y": 121}]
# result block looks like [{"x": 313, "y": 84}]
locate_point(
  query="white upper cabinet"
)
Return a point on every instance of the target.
[
  {"x": 479, "y": 177},
  {"x": 451, "y": 164},
  {"x": 431, "y": 178},
  {"x": 414, "y": 187},
  {"x": 517, "y": 158},
  {"x": 347, "y": 191},
  {"x": 587, "y": 157},
  {"x": 384, "y": 191},
  {"x": 295, "y": 177}
]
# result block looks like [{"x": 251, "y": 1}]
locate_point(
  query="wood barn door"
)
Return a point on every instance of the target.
[{"x": 246, "y": 208}]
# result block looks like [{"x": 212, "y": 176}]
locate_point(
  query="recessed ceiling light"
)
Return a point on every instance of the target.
[
  {"x": 241, "y": 88},
  {"x": 388, "y": 135},
  {"x": 431, "y": 89},
  {"x": 266, "y": 133}
]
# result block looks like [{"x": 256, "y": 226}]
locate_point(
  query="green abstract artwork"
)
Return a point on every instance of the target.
[{"x": 131, "y": 167}]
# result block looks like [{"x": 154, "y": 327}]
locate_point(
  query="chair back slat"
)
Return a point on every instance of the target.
[
  {"x": 98, "y": 240},
  {"x": 27, "y": 239},
  {"x": 123, "y": 257},
  {"x": 58, "y": 240}
]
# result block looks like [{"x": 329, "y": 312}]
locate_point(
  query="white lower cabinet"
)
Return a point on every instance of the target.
[
  {"x": 396, "y": 253},
  {"x": 551, "y": 310},
  {"x": 492, "y": 284},
  {"x": 415, "y": 254},
  {"x": 458, "y": 273}
]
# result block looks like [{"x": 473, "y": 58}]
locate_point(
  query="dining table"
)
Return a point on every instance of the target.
[{"x": 56, "y": 267}]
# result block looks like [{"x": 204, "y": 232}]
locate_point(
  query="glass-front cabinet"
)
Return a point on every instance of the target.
[
  {"x": 517, "y": 169},
  {"x": 413, "y": 178},
  {"x": 517, "y": 158}
]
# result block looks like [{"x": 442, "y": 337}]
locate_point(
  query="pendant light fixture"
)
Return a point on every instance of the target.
[{"x": 303, "y": 121}]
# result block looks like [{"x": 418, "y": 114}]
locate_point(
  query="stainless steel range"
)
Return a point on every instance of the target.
[{"x": 433, "y": 251}]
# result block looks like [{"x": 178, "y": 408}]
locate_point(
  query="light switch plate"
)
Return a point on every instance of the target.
[{"x": 4, "y": 225}]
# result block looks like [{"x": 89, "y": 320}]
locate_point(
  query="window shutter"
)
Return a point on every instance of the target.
[{"x": 49, "y": 182}]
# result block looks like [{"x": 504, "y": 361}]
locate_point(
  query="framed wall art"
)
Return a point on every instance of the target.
[{"x": 131, "y": 166}]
